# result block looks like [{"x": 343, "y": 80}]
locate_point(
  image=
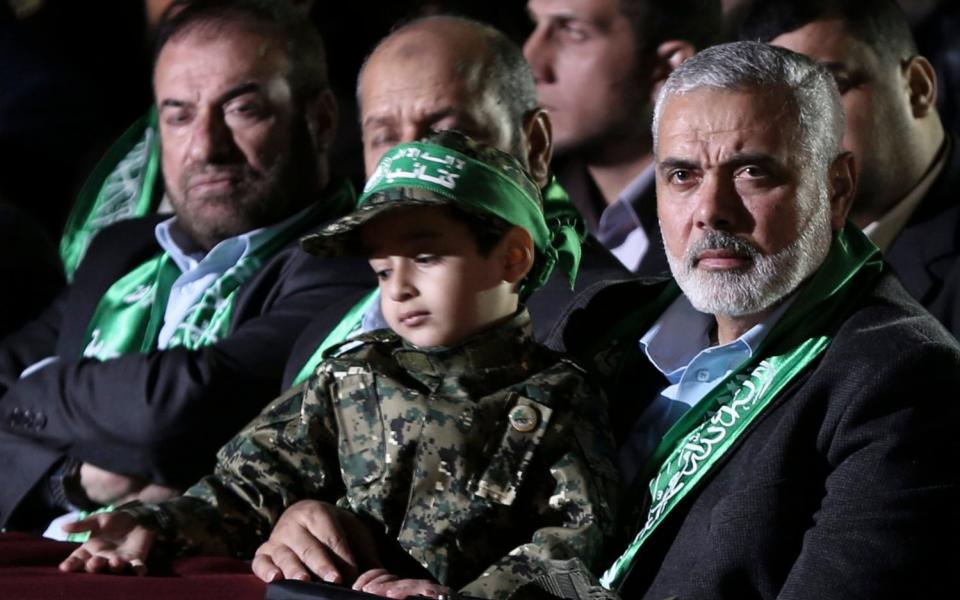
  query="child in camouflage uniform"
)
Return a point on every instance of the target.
[{"x": 481, "y": 452}]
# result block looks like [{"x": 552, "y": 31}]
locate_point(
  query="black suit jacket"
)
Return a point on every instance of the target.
[
  {"x": 847, "y": 486},
  {"x": 926, "y": 253},
  {"x": 160, "y": 415}
]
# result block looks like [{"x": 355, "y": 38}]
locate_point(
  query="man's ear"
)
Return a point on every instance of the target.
[
  {"x": 669, "y": 55},
  {"x": 322, "y": 113},
  {"x": 921, "y": 81},
  {"x": 842, "y": 188},
  {"x": 538, "y": 135},
  {"x": 516, "y": 254}
]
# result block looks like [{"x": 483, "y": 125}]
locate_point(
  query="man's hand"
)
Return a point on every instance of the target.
[
  {"x": 117, "y": 544},
  {"x": 382, "y": 583},
  {"x": 105, "y": 487},
  {"x": 313, "y": 537}
]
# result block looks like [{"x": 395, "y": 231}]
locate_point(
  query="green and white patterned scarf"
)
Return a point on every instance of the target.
[
  {"x": 691, "y": 448},
  {"x": 130, "y": 315},
  {"x": 121, "y": 186}
]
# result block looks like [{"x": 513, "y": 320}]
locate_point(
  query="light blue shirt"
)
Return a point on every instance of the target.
[
  {"x": 200, "y": 271},
  {"x": 678, "y": 345}
]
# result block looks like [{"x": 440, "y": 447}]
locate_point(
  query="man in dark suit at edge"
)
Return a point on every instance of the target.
[
  {"x": 175, "y": 332},
  {"x": 909, "y": 167},
  {"x": 785, "y": 408}
]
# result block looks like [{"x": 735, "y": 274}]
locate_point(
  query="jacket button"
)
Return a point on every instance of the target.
[{"x": 524, "y": 418}]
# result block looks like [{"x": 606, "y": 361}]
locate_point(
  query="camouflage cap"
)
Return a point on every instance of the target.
[{"x": 443, "y": 169}]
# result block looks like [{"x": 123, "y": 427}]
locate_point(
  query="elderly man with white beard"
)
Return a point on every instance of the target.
[{"x": 785, "y": 411}]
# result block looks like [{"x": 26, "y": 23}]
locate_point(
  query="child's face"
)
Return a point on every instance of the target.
[{"x": 435, "y": 287}]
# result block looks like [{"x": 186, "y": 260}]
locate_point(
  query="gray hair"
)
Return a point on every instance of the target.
[{"x": 753, "y": 66}]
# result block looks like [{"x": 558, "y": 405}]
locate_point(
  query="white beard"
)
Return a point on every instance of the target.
[{"x": 767, "y": 280}]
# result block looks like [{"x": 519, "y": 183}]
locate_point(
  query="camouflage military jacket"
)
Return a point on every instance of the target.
[{"x": 481, "y": 460}]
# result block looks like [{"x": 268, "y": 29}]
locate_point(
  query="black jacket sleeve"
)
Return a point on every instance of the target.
[{"x": 162, "y": 415}]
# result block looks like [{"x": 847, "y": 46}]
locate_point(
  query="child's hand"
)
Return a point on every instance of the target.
[
  {"x": 316, "y": 538},
  {"x": 382, "y": 583},
  {"x": 117, "y": 544}
]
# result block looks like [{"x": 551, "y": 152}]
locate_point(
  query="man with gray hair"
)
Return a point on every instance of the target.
[{"x": 785, "y": 419}]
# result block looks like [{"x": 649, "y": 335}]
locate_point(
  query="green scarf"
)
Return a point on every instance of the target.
[
  {"x": 570, "y": 230},
  {"x": 348, "y": 326},
  {"x": 697, "y": 441},
  {"x": 448, "y": 168},
  {"x": 121, "y": 186},
  {"x": 130, "y": 315}
]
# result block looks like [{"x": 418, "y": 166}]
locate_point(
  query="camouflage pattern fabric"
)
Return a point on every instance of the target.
[
  {"x": 383, "y": 193},
  {"x": 484, "y": 461}
]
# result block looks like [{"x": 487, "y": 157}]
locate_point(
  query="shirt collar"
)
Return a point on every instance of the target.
[
  {"x": 682, "y": 332},
  {"x": 624, "y": 213},
  {"x": 175, "y": 241}
]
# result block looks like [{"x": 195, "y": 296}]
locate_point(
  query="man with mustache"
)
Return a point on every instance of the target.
[
  {"x": 784, "y": 409},
  {"x": 125, "y": 183},
  {"x": 175, "y": 330}
]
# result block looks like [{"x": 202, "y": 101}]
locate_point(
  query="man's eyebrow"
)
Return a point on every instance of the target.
[
  {"x": 855, "y": 75},
  {"x": 737, "y": 160},
  {"x": 443, "y": 113},
  {"x": 677, "y": 163},
  {"x": 428, "y": 118},
  {"x": 237, "y": 90},
  {"x": 376, "y": 120},
  {"x": 754, "y": 158},
  {"x": 249, "y": 87},
  {"x": 170, "y": 103},
  {"x": 559, "y": 15}
]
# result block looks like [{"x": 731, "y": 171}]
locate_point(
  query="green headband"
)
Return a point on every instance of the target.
[{"x": 450, "y": 169}]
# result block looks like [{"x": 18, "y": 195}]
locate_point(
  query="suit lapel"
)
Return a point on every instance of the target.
[{"x": 930, "y": 235}]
